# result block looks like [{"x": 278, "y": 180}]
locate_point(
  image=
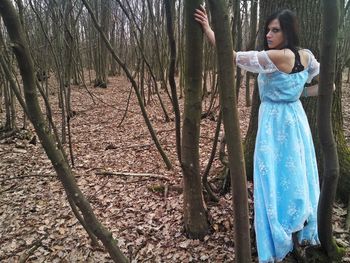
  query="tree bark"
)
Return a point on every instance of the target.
[
  {"x": 331, "y": 166},
  {"x": 228, "y": 99},
  {"x": 195, "y": 214},
  {"x": 172, "y": 44},
  {"x": 250, "y": 46},
  {"x": 343, "y": 60},
  {"x": 237, "y": 39}
]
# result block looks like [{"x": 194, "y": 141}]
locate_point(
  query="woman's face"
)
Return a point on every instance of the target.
[{"x": 274, "y": 36}]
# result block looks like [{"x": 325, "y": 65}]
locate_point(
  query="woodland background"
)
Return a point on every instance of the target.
[{"x": 113, "y": 128}]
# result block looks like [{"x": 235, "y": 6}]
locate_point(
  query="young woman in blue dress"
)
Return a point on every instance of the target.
[{"x": 286, "y": 185}]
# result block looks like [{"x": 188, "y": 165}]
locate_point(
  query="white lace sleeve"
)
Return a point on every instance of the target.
[
  {"x": 255, "y": 61},
  {"x": 313, "y": 66}
]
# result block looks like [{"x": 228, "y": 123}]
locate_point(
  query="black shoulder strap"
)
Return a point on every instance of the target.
[{"x": 297, "y": 63}]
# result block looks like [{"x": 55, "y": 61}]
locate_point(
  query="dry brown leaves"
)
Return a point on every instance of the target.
[{"x": 148, "y": 226}]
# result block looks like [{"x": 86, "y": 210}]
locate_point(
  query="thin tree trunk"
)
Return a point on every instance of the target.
[
  {"x": 7, "y": 126},
  {"x": 249, "y": 141},
  {"x": 140, "y": 44},
  {"x": 250, "y": 46},
  {"x": 157, "y": 47},
  {"x": 206, "y": 184},
  {"x": 327, "y": 143},
  {"x": 131, "y": 79},
  {"x": 228, "y": 100},
  {"x": 237, "y": 39},
  {"x": 56, "y": 156},
  {"x": 12, "y": 82},
  {"x": 172, "y": 83},
  {"x": 195, "y": 214},
  {"x": 1, "y": 92}
]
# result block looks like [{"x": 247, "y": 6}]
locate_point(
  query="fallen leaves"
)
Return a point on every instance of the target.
[{"x": 146, "y": 223}]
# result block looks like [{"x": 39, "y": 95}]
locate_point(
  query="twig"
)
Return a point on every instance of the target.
[
  {"x": 8, "y": 189},
  {"x": 137, "y": 146},
  {"x": 126, "y": 108},
  {"x": 33, "y": 246},
  {"x": 28, "y": 175},
  {"x": 157, "y": 176},
  {"x": 7, "y": 134},
  {"x": 112, "y": 146},
  {"x": 166, "y": 191},
  {"x": 205, "y": 182}
]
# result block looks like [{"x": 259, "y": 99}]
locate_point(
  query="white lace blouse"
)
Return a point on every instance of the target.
[{"x": 259, "y": 62}]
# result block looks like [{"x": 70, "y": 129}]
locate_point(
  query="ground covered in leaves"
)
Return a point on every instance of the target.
[{"x": 36, "y": 220}]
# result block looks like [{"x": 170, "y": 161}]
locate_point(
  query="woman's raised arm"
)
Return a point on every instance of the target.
[{"x": 201, "y": 17}]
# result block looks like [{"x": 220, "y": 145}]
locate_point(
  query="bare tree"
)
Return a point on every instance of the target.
[
  {"x": 195, "y": 214},
  {"x": 228, "y": 100},
  {"x": 55, "y": 154},
  {"x": 134, "y": 84},
  {"x": 331, "y": 166},
  {"x": 170, "y": 28}
]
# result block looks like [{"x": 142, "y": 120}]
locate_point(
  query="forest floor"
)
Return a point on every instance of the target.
[{"x": 146, "y": 222}]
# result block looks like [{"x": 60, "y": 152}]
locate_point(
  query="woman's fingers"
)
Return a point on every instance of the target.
[
  {"x": 200, "y": 13},
  {"x": 200, "y": 16}
]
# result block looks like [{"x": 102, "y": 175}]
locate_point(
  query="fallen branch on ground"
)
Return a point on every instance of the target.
[
  {"x": 157, "y": 176},
  {"x": 28, "y": 175},
  {"x": 5, "y": 135},
  {"x": 113, "y": 146},
  {"x": 164, "y": 188},
  {"x": 8, "y": 189},
  {"x": 34, "y": 246}
]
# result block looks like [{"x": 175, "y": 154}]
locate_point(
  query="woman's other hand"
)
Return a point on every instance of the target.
[{"x": 200, "y": 15}]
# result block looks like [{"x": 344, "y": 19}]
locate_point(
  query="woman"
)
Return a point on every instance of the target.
[{"x": 286, "y": 186}]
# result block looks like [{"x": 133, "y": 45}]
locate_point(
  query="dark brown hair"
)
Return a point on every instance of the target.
[{"x": 289, "y": 27}]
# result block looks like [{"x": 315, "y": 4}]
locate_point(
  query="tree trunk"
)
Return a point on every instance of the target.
[
  {"x": 101, "y": 52},
  {"x": 172, "y": 44},
  {"x": 1, "y": 92},
  {"x": 343, "y": 61},
  {"x": 136, "y": 88},
  {"x": 249, "y": 141},
  {"x": 157, "y": 47},
  {"x": 195, "y": 214},
  {"x": 228, "y": 99},
  {"x": 7, "y": 126},
  {"x": 343, "y": 150},
  {"x": 237, "y": 39},
  {"x": 309, "y": 13},
  {"x": 55, "y": 154},
  {"x": 309, "y": 21},
  {"x": 324, "y": 124},
  {"x": 250, "y": 46}
]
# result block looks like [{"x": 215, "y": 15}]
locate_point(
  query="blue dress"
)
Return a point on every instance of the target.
[{"x": 286, "y": 186}]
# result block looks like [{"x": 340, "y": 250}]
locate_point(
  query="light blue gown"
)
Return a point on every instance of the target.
[{"x": 286, "y": 186}]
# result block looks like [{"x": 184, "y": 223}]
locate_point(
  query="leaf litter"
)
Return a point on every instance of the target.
[{"x": 147, "y": 225}]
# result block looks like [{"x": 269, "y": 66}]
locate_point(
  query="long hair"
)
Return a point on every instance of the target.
[{"x": 289, "y": 27}]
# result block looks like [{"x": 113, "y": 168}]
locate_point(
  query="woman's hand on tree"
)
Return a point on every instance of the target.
[{"x": 200, "y": 15}]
